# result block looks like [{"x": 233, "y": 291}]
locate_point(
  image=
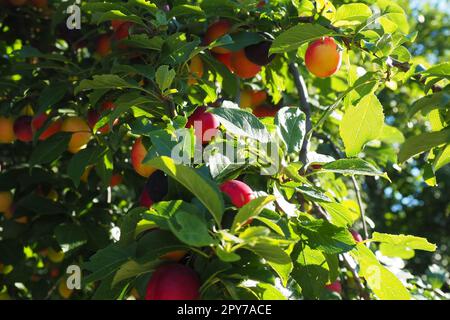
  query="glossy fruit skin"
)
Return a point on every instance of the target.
[
  {"x": 335, "y": 287},
  {"x": 259, "y": 53},
  {"x": 173, "y": 282},
  {"x": 116, "y": 24},
  {"x": 195, "y": 69},
  {"x": 22, "y": 128},
  {"x": 55, "y": 256},
  {"x": 81, "y": 133},
  {"x": 323, "y": 57},
  {"x": 155, "y": 189},
  {"x": 356, "y": 236},
  {"x": 138, "y": 153},
  {"x": 264, "y": 110},
  {"x": 7, "y": 130},
  {"x": 103, "y": 46},
  {"x": 93, "y": 116},
  {"x": 123, "y": 31},
  {"x": 215, "y": 31},
  {"x": 205, "y": 124},
  {"x": 39, "y": 121},
  {"x": 239, "y": 193},
  {"x": 243, "y": 67},
  {"x": 252, "y": 99},
  {"x": 63, "y": 291},
  {"x": 116, "y": 179},
  {"x": 225, "y": 58},
  {"x": 6, "y": 201}
]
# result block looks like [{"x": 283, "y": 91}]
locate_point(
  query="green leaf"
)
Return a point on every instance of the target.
[
  {"x": 291, "y": 128},
  {"x": 243, "y": 39},
  {"x": 70, "y": 236},
  {"x": 294, "y": 37},
  {"x": 361, "y": 124},
  {"x": 442, "y": 158},
  {"x": 104, "y": 81},
  {"x": 438, "y": 70},
  {"x": 353, "y": 166},
  {"x": 341, "y": 216},
  {"x": 351, "y": 14},
  {"x": 312, "y": 271},
  {"x": 51, "y": 95},
  {"x": 393, "y": 17},
  {"x": 283, "y": 270},
  {"x": 270, "y": 252},
  {"x": 384, "y": 284},
  {"x": 164, "y": 77},
  {"x": 250, "y": 210},
  {"x": 81, "y": 160},
  {"x": 266, "y": 291},
  {"x": 185, "y": 9},
  {"x": 144, "y": 42},
  {"x": 421, "y": 143},
  {"x": 128, "y": 225},
  {"x": 201, "y": 187},
  {"x": 402, "y": 246},
  {"x": 391, "y": 135},
  {"x": 438, "y": 100},
  {"x": 242, "y": 123},
  {"x": 105, "y": 261},
  {"x": 131, "y": 269},
  {"x": 118, "y": 15},
  {"x": 155, "y": 243},
  {"x": 50, "y": 149},
  {"x": 327, "y": 237},
  {"x": 189, "y": 226}
]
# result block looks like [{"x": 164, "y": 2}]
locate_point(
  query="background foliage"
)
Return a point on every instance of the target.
[{"x": 395, "y": 54}]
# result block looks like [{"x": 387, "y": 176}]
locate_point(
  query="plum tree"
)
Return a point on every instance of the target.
[
  {"x": 40, "y": 120},
  {"x": 138, "y": 153},
  {"x": 205, "y": 124},
  {"x": 215, "y": 31},
  {"x": 7, "y": 130},
  {"x": 81, "y": 133},
  {"x": 195, "y": 69},
  {"x": 123, "y": 30},
  {"x": 238, "y": 192},
  {"x": 155, "y": 189},
  {"x": 22, "y": 128},
  {"x": 173, "y": 282},
  {"x": 323, "y": 57},
  {"x": 242, "y": 66}
]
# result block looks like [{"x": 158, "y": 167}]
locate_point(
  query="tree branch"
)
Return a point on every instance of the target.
[
  {"x": 361, "y": 208},
  {"x": 304, "y": 106},
  {"x": 362, "y": 290}
]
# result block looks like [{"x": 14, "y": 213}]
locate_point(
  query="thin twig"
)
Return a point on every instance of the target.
[
  {"x": 304, "y": 106},
  {"x": 360, "y": 205}
]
